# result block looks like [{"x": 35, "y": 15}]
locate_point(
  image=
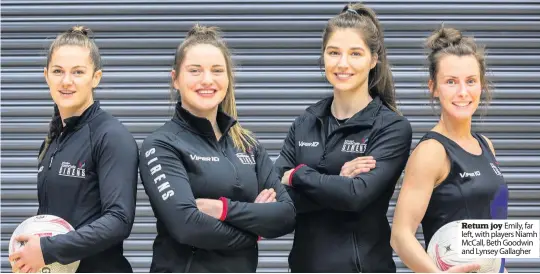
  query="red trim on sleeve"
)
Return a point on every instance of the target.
[
  {"x": 292, "y": 173},
  {"x": 259, "y": 238},
  {"x": 225, "y": 208}
]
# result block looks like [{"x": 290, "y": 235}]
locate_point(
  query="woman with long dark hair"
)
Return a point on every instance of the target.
[{"x": 343, "y": 157}]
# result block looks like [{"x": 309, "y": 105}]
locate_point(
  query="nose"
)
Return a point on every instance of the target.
[
  {"x": 462, "y": 89},
  {"x": 207, "y": 78},
  {"x": 67, "y": 80},
  {"x": 343, "y": 62}
]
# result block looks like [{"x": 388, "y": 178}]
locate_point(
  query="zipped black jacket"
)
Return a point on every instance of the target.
[
  {"x": 183, "y": 161},
  {"x": 88, "y": 177},
  {"x": 341, "y": 223}
]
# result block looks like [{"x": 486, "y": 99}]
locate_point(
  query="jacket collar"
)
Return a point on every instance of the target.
[
  {"x": 76, "y": 122},
  {"x": 367, "y": 115},
  {"x": 200, "y": 125}
]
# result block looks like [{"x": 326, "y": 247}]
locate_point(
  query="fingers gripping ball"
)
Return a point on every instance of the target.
[
  {"x": 44, "y": 226},
  {"x": 444, "y": 251}
]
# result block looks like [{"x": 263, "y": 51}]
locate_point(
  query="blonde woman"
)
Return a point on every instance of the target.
[{"x": 209, "y": 181}]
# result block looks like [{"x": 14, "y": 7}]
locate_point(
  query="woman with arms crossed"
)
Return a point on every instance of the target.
[
  {"x": 87, "y": 171},
  {"x": 210, "y": 182},
  {"x": 452, "y": 174},
  {"x": 328, "y": 158}
]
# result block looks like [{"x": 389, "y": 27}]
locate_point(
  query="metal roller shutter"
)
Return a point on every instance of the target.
[{"x": 276, "y": 44}]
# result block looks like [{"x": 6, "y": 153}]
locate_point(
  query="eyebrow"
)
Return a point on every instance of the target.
[
  {"x": 354, "y": 48},
  {"x": 195, "y": 65},
  {"x": 73, "y": 67},
  {"x": 452, "y": 76}
]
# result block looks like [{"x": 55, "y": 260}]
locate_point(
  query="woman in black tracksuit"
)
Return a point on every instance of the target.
[
  {"x": 87, "y": 168},
  {"x": 342, "y": 157},
  {"x": 210, "y": 183}
]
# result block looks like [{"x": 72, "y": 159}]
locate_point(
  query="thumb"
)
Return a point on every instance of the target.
[
  {"x": 22, "y": 237},
  {"x": 464, "y": 268}
]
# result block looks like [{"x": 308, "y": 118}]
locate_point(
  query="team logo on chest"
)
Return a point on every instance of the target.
[
  {"x": 245, "y": 159},
  {"x": 351, "y": 146},
  {"x": 76, "y": 171}
]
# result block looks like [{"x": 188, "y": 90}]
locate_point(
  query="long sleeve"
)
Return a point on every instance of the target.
[
  {"x": 287, "y": 161},
  {"x": 303, "y": 203},
  {"x": 390, "y": 147},
  {"x": 269, "y": 220},
  {"x": 167, "y": 185},
  {"x": 117, "y": 159}
]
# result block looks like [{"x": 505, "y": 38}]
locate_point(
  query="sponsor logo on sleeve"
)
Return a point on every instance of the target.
[{"x": 160, "y": 179}]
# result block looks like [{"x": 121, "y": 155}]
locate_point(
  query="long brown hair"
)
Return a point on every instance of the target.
[
  {"x": 242, "y": 138},
  {"x": 75, "y": 36},
  {"x": 364, "y": 20}
]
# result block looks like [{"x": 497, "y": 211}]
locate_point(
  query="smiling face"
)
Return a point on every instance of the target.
[
  {"x": 347, "y": 61},
  {"x": 458, "y": 86},
  {"x": 71, "y": 79},
  {"x": 202, "y": 79}
]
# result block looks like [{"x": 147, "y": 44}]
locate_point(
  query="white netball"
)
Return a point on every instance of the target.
[
  {"x": 444, "y": 250},
  {"x": 44, "y": 226}
]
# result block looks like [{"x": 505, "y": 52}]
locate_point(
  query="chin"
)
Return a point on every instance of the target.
[
  {"x": 463, "y": 115},
  {"x": 460, "y": 114},
  {"x": 343, "y": 87}
]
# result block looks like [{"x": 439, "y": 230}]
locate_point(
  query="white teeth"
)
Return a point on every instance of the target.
[
  {"x": 206, "y": 91},
  {"x": 464, "y": 104},
  {"x": 343, "y": 75}
]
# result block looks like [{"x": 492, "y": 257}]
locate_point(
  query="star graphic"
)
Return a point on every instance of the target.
[{"x": 448, "y": 248}]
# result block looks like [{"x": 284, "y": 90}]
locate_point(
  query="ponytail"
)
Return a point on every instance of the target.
[
  {"x": 55, "y": 127},
  {"x": 364, "y": 20}
]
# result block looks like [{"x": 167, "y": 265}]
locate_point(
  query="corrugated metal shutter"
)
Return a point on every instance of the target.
[{"x": 277, "y": 45}]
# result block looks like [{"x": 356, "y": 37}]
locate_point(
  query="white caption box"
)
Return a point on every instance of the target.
[{"x": 499, "y": 238}]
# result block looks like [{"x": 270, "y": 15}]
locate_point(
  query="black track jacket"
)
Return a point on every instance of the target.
[
  {"x": 88, "y": 177},
  {"x": 183, "y": 161},
  {"x": 341, "y": 223}
]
